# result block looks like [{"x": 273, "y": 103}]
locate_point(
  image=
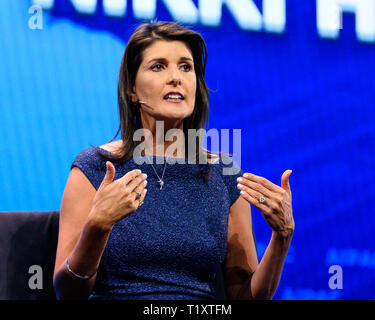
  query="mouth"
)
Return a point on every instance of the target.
[{"x": 174, "y": 97}]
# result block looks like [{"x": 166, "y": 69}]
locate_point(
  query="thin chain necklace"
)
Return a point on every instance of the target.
[{"x": 161, "y": 182}]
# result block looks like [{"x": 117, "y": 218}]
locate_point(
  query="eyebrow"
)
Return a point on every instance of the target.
[{"x": 165, "y": 60}]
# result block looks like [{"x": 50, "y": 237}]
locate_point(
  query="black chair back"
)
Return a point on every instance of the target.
[{"x": 28, "y": 242}]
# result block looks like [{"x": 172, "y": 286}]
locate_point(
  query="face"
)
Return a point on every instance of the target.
[{"x": 167, "y": 66}]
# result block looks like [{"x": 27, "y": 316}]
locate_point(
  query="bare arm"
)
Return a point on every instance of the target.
[
  {"x": 86, "y": 220},
  {"x": 266, "y": 277},
  {"x": 245, "y": 278},
  {"x": 241, "y": 258},
  {"x": 84, "y": 260}
]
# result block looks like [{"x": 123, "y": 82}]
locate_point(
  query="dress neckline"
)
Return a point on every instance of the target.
[{"x": 163, "y": 157}]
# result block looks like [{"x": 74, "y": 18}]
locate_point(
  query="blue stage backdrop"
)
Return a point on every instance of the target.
[{"x": 297, "y": 77}]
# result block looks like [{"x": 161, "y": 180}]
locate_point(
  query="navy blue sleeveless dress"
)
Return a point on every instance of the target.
[{"x": 172, "y": 246}]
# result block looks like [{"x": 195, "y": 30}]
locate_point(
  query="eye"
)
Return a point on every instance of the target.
[
  {"x": 156, "y": 65},
  {"x": 187, "y": 67}
]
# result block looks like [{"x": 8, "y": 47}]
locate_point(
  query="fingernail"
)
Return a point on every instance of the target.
[
  {"x": 245, "y": 175},
  {"x": 239, "y": 179},
  {"x": 239, "y": 186},
  {"x": 144, "y": 175}
]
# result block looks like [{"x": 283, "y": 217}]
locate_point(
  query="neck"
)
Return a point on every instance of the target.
[{"x": 166, "y": 139}]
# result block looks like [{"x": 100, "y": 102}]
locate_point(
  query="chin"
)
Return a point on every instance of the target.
[
  {"x": 173, "y": 117},
  {"x": 176, "y": 114}
]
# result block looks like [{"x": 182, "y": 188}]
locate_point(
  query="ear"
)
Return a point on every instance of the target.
[{"x": 133, "y": 95}]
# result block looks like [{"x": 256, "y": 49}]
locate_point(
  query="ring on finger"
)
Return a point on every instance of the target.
[
  {"x": 262, "y": 199},
  {"x": 138, "y": 194},
  {"x": 140, "y": 203}
]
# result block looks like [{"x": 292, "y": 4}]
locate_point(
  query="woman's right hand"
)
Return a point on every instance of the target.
[{"x": 115, "y": 200}]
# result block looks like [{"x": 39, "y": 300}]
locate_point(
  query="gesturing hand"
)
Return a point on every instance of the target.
[
  {"x": 273, "y": 201},
  {"x": 115, "y": 200}
]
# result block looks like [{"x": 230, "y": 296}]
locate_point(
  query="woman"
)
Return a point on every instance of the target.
[{"x": 116, "y": 242}]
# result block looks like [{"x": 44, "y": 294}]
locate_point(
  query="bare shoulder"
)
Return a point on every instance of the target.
[
  {"x": 112, "y": 146},
  {"x": 214, "y": 157}
]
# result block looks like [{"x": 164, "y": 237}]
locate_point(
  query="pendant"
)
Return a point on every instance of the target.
[{"x": 161, "y": 182}]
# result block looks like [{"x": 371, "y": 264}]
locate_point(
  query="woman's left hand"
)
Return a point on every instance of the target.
[{"x": 277, "y": 207}]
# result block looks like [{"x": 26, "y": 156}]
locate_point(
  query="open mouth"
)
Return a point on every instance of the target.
[{"x": 174, "y": 98}]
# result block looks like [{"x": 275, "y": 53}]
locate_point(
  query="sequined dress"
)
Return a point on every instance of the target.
[{"x": 172, "y": 246}]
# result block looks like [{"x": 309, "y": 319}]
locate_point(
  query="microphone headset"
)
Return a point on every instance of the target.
[{"x": 145, "y": 103}]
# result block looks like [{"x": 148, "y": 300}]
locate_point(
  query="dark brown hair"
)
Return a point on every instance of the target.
[{"x": 130, "y": 119}]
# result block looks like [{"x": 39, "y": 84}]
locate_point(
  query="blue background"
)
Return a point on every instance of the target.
[{"x": 302, "y": 102}]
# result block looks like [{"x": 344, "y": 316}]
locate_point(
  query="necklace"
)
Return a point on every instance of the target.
[{"x": 161, "y": 182}]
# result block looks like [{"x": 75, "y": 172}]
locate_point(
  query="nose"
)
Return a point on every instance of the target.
[{"x": 175, "y": 77}]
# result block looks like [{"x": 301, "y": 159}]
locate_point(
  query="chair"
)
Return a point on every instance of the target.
[{"x": 29, "y": 238}]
